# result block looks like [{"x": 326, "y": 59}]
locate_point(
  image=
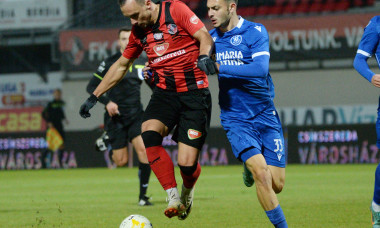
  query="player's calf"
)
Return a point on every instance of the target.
[
  {"x": 190, "y": 176},
  {"x": 120, "y": 156},
  {"x": 278, "y": 178}
]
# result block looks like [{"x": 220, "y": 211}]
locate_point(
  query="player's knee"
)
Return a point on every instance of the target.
[
  {"x": 151, "y": 138},
  {"x": 119, "y": 160},
  {"x": 262, "y": 176}
]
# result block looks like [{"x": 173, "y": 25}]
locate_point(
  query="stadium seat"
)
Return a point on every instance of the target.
[
  {"x": 275, "y": 10},
  {"x": 370, "y": 2},
  {"x": 289, "y": 9},
  {"x": 342, "y": 6},
  {"x": 328, "y": 5},
  {"x": 315, "y": 7},
  {"x": 302, "y": 7},
  {"x": 262, "y": 10},
  {"x": 246, "y": 11},
  {"x": 357, "y": 3}
]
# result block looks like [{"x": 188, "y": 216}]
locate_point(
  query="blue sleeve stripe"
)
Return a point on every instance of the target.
[
  {"x": 363, "y": 53},
  {"x": 260, "y": 53}
]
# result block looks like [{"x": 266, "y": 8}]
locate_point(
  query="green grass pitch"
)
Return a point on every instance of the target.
[{"x": 314, "y": 196}]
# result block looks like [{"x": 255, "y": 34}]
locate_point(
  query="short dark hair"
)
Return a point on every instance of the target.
[
  {"x": 229, "y": 1},
  {"x": 125, "y": 29},
  {"x": 122, "y": 2}
]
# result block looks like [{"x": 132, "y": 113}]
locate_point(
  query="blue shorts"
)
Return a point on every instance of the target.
[
  {"x": 263, "y": 134},
  {"x": 378, "y": 128}
]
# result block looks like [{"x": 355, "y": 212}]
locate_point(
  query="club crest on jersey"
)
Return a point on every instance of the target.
[
  {"x": 158, "y": 36},
  {"x": 236, "y": 40},
  {"x": 194, "y": 19},
  {"x": 172, "y": 28},
  {"x": 161, "y": 48},
  {"x": 193, "y": 134}
]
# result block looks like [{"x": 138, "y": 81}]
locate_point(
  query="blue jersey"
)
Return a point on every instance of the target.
[
  {"x": 369, "y": 43},
  {"x": 245, "y": 85}
]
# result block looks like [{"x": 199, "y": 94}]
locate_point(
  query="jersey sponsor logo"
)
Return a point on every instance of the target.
[
  {"x": 236, "y": 40},
  {"x": 168, "y": 56},
  {"x": 258, "y": 28},
  {"x": 200, "y": 82},
  {"x": 194, "y": 19},
  {"x": 232, "y": 58},
  {"x": 161, "y": 48},
  {"x": 158, "y": 36},
  {"x": 193, "y": 134},
  {"x": 172, "y": 28},
  {"x": 229, "y": 55}
]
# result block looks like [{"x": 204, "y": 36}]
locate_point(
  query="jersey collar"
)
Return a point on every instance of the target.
[
  {"x": 239, "y": 24},
  {"x": 157, "y": 24}
]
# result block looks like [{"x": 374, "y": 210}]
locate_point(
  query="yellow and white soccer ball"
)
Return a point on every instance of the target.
[{"x": 136, "y": 221}]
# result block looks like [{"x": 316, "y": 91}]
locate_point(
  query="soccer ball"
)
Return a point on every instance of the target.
[{"x": 136, "y": 221}]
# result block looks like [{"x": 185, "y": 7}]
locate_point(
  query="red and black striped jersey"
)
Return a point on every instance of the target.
[{"x": 171, "y": 48}]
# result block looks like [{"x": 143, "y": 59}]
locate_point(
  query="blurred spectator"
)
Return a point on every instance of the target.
[{"x": 54, "y": 116}]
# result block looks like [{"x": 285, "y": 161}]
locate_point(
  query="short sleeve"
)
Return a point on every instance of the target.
[
  {"x": 185, "y": 18},
  {"x": 370, "y": 39},
  {"x": 134, "y": 47},
  {"x": 259, "y": 41}
]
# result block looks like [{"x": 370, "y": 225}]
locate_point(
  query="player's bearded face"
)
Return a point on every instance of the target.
[
  {"x": 138, "y": 14},
  {"x": 219, "y": 12}
]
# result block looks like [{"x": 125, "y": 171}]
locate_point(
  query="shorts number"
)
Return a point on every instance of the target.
[{"x": 279, "y": 146}]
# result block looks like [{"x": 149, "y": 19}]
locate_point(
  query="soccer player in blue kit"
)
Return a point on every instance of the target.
[
  {"x": 370, "y": 44},
  {"x": 246, "y": 95}
]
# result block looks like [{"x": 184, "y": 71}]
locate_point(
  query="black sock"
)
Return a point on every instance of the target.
[{"x": 144, "y": 174}]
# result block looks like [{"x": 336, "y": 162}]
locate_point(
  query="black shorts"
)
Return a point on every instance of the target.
[
  {"x": 189, "y": 112},
  {"x": 122, "y": 130}
]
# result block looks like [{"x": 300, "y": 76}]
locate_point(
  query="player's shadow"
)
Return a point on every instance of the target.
[{"x": 164, "y": 202}]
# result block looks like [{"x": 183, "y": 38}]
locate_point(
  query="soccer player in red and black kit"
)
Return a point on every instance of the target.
[{"x": 178, "y": 47}]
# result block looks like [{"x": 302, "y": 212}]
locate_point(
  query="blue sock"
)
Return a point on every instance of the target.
[
  {"x": 277, "y": 217},
  {"x": 376, "y": 193}
]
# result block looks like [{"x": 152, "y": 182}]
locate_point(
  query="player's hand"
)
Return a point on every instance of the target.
[
  {"x": 112, "y": 109},
  {"x": 84, "y": 110},
  {"x": 147, "y": 72},
  {"x": 376, "y": 80},
  {"x": 217, "y": 66},
  {"x": 206, "y": 64}
]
